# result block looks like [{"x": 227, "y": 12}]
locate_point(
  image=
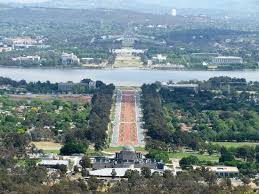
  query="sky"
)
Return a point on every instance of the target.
[
  {"x": 208, "y": 4},
  {"x": 22, "y": 1}
]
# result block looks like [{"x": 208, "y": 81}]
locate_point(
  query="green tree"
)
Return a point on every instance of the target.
[
  {"x": 186, "y": 162},
  {"x": 73, "y": 148},
  {"x": 146, "y": 172},
  {"x": 85, "y": 162}
]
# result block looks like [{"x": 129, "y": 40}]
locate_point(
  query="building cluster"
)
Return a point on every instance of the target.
[
  {"x": 116, "y": 167},
  {"x": 69, "y": 87},
  {"x": 174, "y": 86},
  {"x": 127, "y": 159},
  {"x": 5, "y": 48},
  {"x": 160, "y": 61},
  {"x": 21, "y": 43},
  {"x": 56, "y": 162},
  {"x": 27, "y": 42},
  {"x": 72, "y": 59}
]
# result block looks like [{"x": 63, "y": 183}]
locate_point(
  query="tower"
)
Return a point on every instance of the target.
[{"x": 174, "y": 12}]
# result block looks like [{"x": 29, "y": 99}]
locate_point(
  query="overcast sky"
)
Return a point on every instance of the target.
[
  {"x": 215, "y": 4},
  {"x": 23, "y": 1}
]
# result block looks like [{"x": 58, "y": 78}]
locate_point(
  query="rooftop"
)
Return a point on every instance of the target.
[
  {"x": 120, "y": 172},
  {"x": 53, "y": 162},
  {"x": 227, "y": 57},
  {"x": 224, "y": 169}
]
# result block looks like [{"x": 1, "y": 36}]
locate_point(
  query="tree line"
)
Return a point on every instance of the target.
[{"x": 96, "y": 130}]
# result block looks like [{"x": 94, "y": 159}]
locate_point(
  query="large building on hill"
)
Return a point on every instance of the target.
[
  {"x": 223, "y": 60},
  {"x": 127, "y": 158}
]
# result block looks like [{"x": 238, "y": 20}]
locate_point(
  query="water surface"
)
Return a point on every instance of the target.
[{"x": 120, "y": 77}]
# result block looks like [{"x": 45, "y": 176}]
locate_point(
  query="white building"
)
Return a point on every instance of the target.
[
  {"x": 225, "y": 171},
  {"x": 88, "y": 60},
  {"x": 53, "y": 163},
  {"x": 117, "y": 172},
  {"x": 172, "y": 86},
  {"x": 35, "y": 58},
  {"x": 5, "y": 48},
  {"x": 222, "y": 171},
  {"x": 69, "y": 58},
  {"x": 174, "y": 12},
  {"x": 227, "y": 60},
  {"x": 128, "y": 51},
  {"x": 160, "y": 58}
]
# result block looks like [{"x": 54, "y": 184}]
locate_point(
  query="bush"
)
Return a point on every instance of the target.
[
  {"x": 188, "y": 161},
  {"x": 73, "y": 148}
]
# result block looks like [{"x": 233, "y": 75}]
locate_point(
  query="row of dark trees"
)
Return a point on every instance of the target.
[
  {"x": 153, "y": 115},
  {"x": 159, "y": 134},
  {"x": 32, "y": 87},
  {"x": 100, "y": 115},
  {"x": 44, "y": 87},
  {"x": 99, "y": 118}
]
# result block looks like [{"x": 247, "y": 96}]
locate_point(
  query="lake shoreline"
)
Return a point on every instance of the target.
[
  {"x": 126, "y": 68},
  {"x": 120, "y": 77}
]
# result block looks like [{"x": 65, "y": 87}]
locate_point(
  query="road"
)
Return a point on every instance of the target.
[{"x": 127, "y": 130}]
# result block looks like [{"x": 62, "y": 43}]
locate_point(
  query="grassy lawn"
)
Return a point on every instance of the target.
[
  {"x": 132, "y": 62},
  {"x": 48, "y": 147},
  {"x": 205, "y": 157},
  {"x": 235, "y": 144}
]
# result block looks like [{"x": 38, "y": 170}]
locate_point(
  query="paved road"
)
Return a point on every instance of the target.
[{"x": 127, "y": 124}]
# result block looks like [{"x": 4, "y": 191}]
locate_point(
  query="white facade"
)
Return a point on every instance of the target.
[
  {"x": 35, "y": 58},
  {"x": 50, "y": 163},
  {"x": 160, "y": 58},
  {"x": 69, "y": 58},
  {"x": 128, "y": 51},
  {"x": 225, "y": 171},
  {"x": 222, "y": 60},
  {"x": 222, "y": 171},
  {"x": 119, "y": 172},
  {"x": 174, "y": 12}
]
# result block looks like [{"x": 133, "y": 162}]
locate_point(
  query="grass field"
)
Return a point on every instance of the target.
[
  {"x": 48, "y": 147},
  {"x": 205, "y": 157},
  {"x": 128, "y": 64},
  {"x": 235, "y": 144}
]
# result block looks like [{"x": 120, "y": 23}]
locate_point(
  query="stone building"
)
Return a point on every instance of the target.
[{"x": 127, "y": 158}]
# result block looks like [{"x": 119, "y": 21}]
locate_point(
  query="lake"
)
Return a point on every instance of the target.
[{"x": 120, "y": 77}]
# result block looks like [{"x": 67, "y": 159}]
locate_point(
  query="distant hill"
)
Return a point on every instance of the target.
[{"x": 2, "y": 5}]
